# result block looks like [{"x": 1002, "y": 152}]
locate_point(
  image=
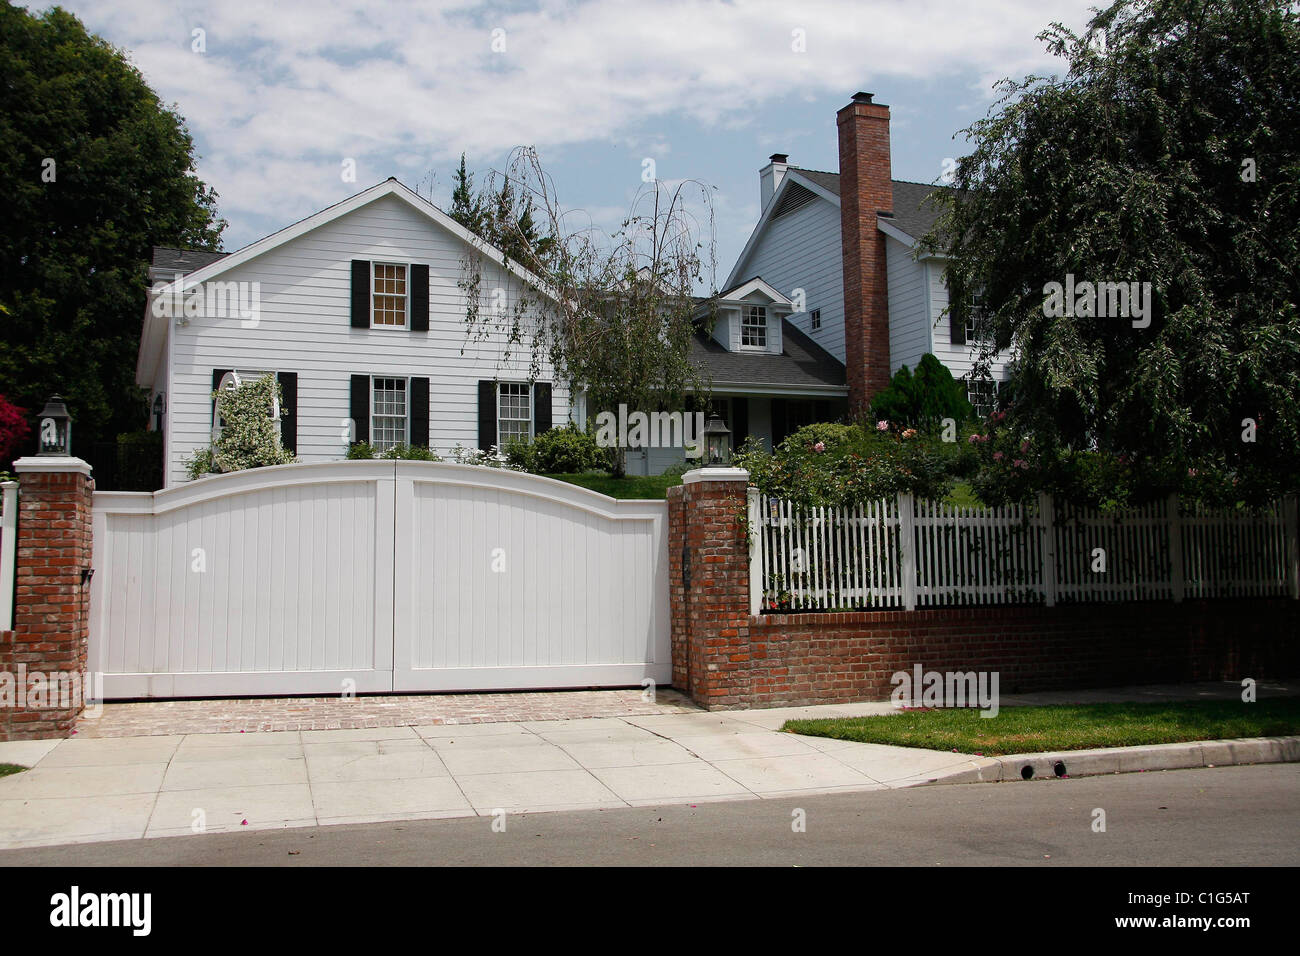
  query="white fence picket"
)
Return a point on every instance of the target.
[{"x": 901, "y": 552}]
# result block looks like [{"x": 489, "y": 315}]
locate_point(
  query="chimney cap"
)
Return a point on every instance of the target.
[
  {"x": 779, "y": 158},
  {"x": 861, "y": 97}
]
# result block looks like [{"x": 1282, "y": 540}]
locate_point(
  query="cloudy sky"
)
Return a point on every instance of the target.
[{"x": 279, "y": 94}]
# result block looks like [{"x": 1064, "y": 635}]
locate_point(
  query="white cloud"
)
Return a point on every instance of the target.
[{"x": 287, "y": 89}]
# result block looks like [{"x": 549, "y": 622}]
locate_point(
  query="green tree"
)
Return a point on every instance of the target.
[
  {"x": 924, "y": 399},
  {"x": 1167, "y": 155},
  {"x": 466, "y": 206},
  {"x": 95, "y": 171},
  {"x": 610, "y": 315}
]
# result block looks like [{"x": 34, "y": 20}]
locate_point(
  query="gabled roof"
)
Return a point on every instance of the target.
[
  {"x": 169, "y": 262},
  {"x": 913, "y": 216},
  {"x": 390, "y": 187},
  {"x": 756, "y": 284},
  {"x": 802, "y": 365}
]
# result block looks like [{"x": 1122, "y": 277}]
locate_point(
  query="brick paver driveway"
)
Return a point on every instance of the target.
[{"x": 148, "y": 718}]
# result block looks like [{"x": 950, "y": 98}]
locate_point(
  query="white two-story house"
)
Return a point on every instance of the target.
[{"x": 360, "y": 313}]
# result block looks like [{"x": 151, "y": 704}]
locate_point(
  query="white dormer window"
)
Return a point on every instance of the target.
[{"x": 753, "y": 327}]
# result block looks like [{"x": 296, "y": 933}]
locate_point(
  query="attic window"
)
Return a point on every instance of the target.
[
  {"x": 753, "y": 327},
  {"x": 815, "y": 319}
]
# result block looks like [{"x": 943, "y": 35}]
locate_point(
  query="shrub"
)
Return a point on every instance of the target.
[
  {"x": 139, "y": 461},
  {"x": 14, "y": 430},
  {"x": 924, "y": 399},
  {"x": 832, "y": 464},
  {"x": 564, "y": 451},
  {"x": 249, "y": 438},
  {"x": 361, "y": 450}
]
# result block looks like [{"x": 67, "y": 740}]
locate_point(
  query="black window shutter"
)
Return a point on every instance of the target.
[
  {"x": 487, "y": 414},
  {"x": 956, "y": 325},
  {"x": 740, "y": 421},
  {"x": 419, "y": 298},
  {"x": 541, "y": 407},
  {"x": 361, "y": 408},
  {"x": 289, "y": 410},
  {"x": 217, "y": 375},
  {"x": 360, "y": 294},
  {"x": 420, "y": 412}
]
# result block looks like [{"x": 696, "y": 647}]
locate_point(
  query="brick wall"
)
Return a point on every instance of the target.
[
  {"x": 50, "y": 599},
  {"x": 866, "y": 188},
  {"x": 725, "y": 658},
  {"x": 836, "y": 658}
]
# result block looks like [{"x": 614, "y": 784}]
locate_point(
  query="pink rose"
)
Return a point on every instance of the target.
[
  {"x": 882, "y": 426},
  {"x": 909, "y": 432},
  {"x": 1019, "y": 463},
  {"x": 819, "y": 447},
  {"x": 997, "y": 456}
]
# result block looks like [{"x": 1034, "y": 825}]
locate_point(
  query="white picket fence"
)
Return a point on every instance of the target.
[{"x": 909, "y": 553}]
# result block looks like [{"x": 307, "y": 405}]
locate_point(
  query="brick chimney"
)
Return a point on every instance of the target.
[{"x": 866, "y": 189}]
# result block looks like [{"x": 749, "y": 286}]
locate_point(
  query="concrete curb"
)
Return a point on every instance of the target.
[{"x": 1087, "y": 763}]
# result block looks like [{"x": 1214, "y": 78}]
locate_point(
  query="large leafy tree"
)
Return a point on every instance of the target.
[
  {"x": 95, "y": 171},
  {"x": 1167, "y": 154},
  {"x": 612, "y": 315}
]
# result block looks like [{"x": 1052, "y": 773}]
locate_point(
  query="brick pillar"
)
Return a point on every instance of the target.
[
  {"x": 709, "y": 587},
  {"x": 866, "y": 189},
  {"x": 51, "y": 613}
]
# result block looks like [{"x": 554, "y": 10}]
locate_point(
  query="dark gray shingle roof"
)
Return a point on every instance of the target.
[
  {"x": 912, "y": 213},
  {"x": 803, "y": 362},
  {"x": 167, "y": 261}
]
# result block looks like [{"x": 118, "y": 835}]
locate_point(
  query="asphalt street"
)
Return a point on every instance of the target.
[{"x": 1229, "y": 816}]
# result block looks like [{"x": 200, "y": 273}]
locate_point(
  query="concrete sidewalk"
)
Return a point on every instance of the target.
[{"x": 113, "y": 788}]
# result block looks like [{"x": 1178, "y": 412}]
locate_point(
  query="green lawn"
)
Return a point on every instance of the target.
[
  {"x": 632, "y": 486},
  {"x": 1072, "y": 727},
  {"x": 7, "y": 768}
]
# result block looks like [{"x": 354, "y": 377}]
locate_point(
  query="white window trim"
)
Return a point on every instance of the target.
[
  {"x": 406, "y": 325},
  {"x": 531, "y": 411},
  {"x": 767, "y": 329},
  {"x": 406, "y": 429}
]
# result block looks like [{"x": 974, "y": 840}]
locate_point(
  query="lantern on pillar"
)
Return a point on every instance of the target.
[
  {"x": 55, "y": 428},
  {"x": 717, "y": 437}
]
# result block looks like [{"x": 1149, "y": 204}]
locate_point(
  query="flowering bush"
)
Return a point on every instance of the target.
[
  {"x": 831, "y": 464},
  {"x": 14, "y": 429},
  {"x": 249, "y": 437}
]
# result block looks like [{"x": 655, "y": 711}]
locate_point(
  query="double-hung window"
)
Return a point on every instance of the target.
[
  {"x": 514, "y": 413},
  {"x": 753, "y": 327},
  {"x": 973, "y": 315},
  {"x": 982, "y": 393},
  {"x": 389, "y": 413},
  {"x": 815, "y": 319},
  {"x": 388, "y": 296}
]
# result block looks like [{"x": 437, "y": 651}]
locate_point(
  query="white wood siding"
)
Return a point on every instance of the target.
[
  {"x": 909, "y": 336},
  {"x": 958, "y": 358},
  {"x": 305, "y": 328},
  {"x": 801, "y": 250}
]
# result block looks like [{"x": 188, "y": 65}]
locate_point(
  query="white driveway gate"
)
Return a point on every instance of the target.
[{"x": 376, "y": 575}]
